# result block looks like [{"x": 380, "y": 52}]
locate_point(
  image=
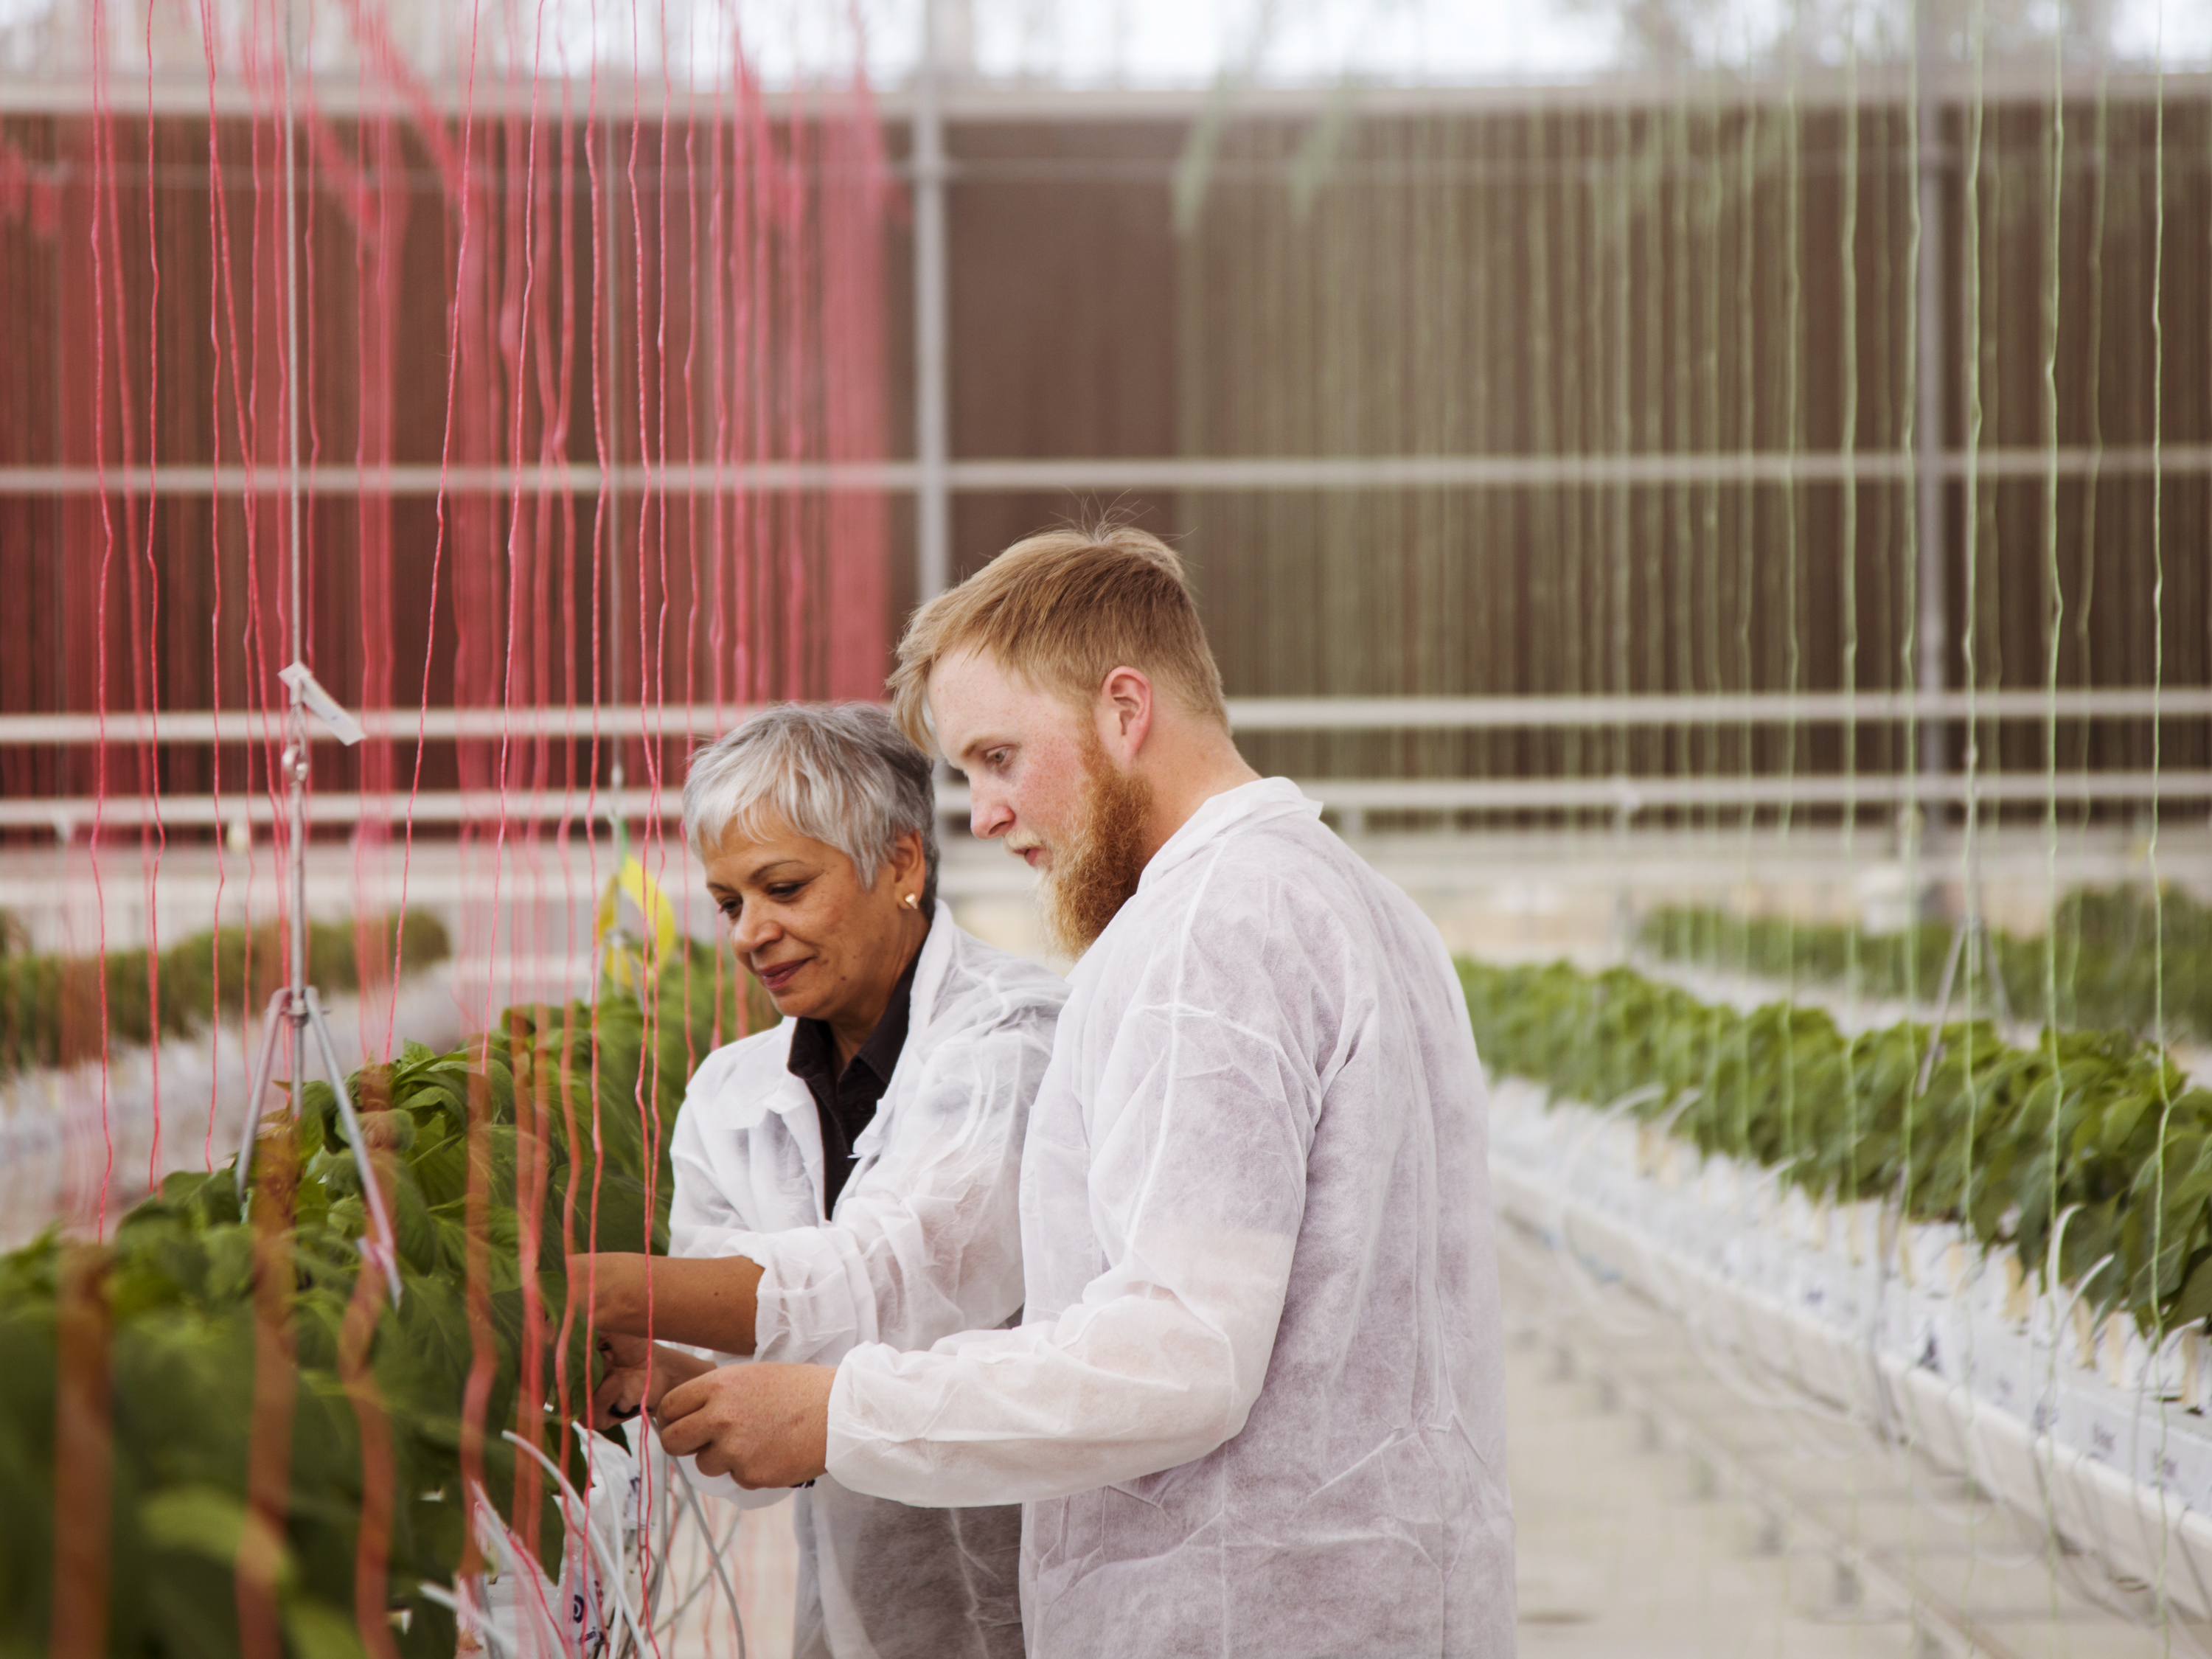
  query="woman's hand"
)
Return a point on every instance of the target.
[
  {"x": 636, "y": 1374},
  {"x": 626, "y": 1377},
  {"x": 708, "y": 1302}
]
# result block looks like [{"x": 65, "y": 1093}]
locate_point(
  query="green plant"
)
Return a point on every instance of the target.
[
  {"x": 55, "y": 1010},
  {"x": 2106, "y": 973},
  {"x": 2092, "y": 1126},
  {"x": 493, "y": 1157}
]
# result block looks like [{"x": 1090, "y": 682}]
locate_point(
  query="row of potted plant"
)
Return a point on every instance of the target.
[
  {"x": 217, "y": 1421},
  {"x": 56, "y": 1009},
  {"x": 2125, "y": 957},
  {"x": 1955, "y": 1125}
]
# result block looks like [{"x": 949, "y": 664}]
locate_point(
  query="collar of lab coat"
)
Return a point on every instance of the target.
[
  {"x": 1247, "y": 803},
  {"x": 795, "y": 1101},
  {"x": 929, "y": 973}
]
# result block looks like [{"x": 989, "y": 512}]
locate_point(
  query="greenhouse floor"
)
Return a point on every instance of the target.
[{"x": 1663, "y": 1514}]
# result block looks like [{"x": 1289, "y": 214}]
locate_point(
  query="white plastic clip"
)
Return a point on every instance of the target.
[{"x": 343, "y": 726}]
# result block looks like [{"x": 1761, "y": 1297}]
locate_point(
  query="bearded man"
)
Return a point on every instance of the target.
[{"x": 1256, "y": 1405}]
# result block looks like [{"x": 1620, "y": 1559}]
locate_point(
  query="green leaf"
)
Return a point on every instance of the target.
[
  {"x": 203, "y": 1521},
  {"x": 320, "y": 1631}
]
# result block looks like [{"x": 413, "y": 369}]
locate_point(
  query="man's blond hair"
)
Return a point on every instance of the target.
[{"x": 1063, "y": 609}]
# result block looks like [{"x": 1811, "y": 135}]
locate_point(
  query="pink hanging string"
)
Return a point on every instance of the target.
[
  {"x": 215, "y": 610},
  {"x": 149, "y": 698},
  {"x": 103, "y": 175},
  {"x": 731, "y": 317}
]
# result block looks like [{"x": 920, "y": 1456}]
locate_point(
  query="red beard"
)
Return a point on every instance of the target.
[{"x": 1094, "y": 872}]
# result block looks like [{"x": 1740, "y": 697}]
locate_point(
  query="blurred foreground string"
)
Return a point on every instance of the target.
[
  {"x": 260, "y": 1557},
  {"x": 84, "y": 1457},
  {"x": 373, "y": 1542}
]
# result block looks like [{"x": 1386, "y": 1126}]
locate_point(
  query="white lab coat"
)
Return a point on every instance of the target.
[
  {"x": 1256, "y": 1407},
  {"x": 925, "y": 1241}
]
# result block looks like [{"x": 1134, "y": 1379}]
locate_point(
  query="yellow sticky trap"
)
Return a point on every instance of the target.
[{"x": 630, "y": 970}]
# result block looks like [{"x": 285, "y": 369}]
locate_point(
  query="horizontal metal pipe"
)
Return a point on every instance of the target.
[
  {"x": 1296, "y": 472},
  {"x": 987, "y": 476},
  {"x": 1633, "y": 795},
  {"x": 1752, "y": 708},
  {"x": 231, "y": 725},
  {"x": 273, "y": 481},
  {"x": 648, "y": 92},
  {"x": 678, "y": 720},
  {"x": 1616, "y": 794},
  {"x": 430, "y": 806}
]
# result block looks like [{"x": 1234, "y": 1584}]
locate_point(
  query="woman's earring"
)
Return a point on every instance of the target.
[{"x": 914, "y": 900}]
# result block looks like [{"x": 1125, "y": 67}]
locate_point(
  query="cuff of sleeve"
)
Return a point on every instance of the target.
[
  {"x": 888, "y": 1434},
  {"x": 776, "y": 1330},
  {"x": 842, "y": 1438},
  {"x": 853, "y": 1449},
  {"x": 814, "y": 1302}
]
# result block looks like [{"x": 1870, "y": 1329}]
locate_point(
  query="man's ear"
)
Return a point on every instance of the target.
[{"x": 1125, "y": 712}]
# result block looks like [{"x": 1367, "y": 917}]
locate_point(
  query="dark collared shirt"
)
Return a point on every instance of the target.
[{"x": 847, "y": 1103}]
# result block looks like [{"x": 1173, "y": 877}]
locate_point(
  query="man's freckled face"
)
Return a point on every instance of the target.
[{"x": 1021, "y": 749}]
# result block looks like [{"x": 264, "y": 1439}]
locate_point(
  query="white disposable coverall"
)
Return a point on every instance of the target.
[
  {"x": 1256, "y": 1404},
  {"x": 925, "y": 1241}
]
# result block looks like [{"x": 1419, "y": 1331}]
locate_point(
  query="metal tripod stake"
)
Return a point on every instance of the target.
[{"x": 296, "y": 1006}]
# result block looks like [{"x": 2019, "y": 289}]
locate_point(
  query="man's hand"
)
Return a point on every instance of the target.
[
  {"x": 762, "y": 1425},
  {"x": 637, "y": 1373}
]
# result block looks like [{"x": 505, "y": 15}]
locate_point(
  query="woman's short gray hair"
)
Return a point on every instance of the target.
[{"x": 841, "y": 773}]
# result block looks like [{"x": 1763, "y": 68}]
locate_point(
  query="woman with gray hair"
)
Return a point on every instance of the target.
[{"x": 850, "y": 1175}]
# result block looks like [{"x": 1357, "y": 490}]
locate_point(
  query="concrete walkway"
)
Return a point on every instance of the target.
[{"x": 1663, "y": 1514}]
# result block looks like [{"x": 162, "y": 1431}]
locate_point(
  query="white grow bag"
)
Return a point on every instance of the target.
[
  {"x": 631, "y": 1510},
  {"x": 1921, "y": 1334}
]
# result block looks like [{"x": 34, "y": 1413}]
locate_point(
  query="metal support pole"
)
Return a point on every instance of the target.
[
  {"x": 295, "y": 1003},
  {"x": 932, "y": 501},
  {"x": 295, "y": 724},
  {"x": 614, "y": 456},
  {"x": 1932, "y": 630}
]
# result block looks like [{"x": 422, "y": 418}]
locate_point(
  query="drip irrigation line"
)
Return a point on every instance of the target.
[{"x": 714, "y": 1551}]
